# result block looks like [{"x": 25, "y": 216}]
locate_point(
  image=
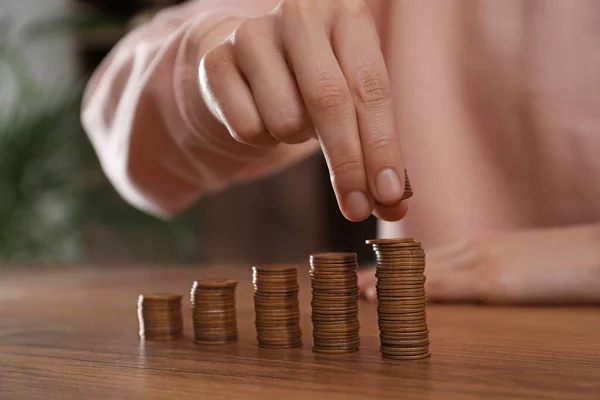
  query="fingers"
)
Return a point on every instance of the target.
[
  {"x": 356, "y": 44},
  {"x": 314, "y": 68},
  {"x": 329, "y": 103},
  {"x": 230, "y": 99},
  {"x": 259, "y": 54}
]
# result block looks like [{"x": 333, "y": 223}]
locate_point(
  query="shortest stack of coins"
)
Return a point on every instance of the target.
[
  {"x": 213, "y": 311},
  {"x": 401, "y": 299},
  {"x": 335, "y": 302},
  {"x": 160, "y": 316},
  {"x": 277, "y": 310}
]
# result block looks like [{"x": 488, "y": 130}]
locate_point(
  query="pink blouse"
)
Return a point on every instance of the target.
[{"x": 498, "y": 104}]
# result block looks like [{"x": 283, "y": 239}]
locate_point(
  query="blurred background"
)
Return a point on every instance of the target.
[{"x": 56, "y": 206}]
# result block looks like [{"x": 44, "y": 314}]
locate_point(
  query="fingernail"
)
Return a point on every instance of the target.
[
  {"x": 388, "y": 186},
  {"x": 357, "y": 205},
  {"x": 371, "y": 293}
]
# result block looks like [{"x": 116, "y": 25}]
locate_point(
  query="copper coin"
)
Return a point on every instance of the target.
[
  {"x": 275, "y": 288},
  {"x": 399, "y": 279},
  {"x": 335, "y": 327},
  {"x": 331, "y": 306},
  {"x": 401, "y": 327},
  {"x": 399, "y": 288},
  {"x": 390, "y": 241},
  {"x": 319, "y": 302},
  {"x": 215, "y": 284},
  {"x": 334, "y": 256},
  {"x": 344, "y": 280},
  {"x": 324, "y": 313},
  {"x": 404, "y": 350},
  {"x": 342, "y": 344},
  {"x": 402, "y": 317},
  {"x": 405, "y": 339},
  {"x": 316, "y": 320},
  {"x": 402, "y": 252},
  {"x": 320, "y": 338},
  {"x": 335, "y": 351},
  {"x": 276, "y": 280},
  {"x": 403, "y": 343},
  {"x": 399, "y": 271}
]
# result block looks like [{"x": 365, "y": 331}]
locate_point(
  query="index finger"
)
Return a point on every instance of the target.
[{"x": 330, "y": 105}]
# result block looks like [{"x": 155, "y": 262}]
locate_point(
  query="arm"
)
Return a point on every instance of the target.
[
  {"x": 156, "y": 140},
  {"x": 537, "y": 266}
]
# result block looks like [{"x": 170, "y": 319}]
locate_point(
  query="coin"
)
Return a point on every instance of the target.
[
  {"x": 276, "y": 306},
  {"x": 408, "y": 192},
  {"x": 160, "y": 316},
  {"x": 334, "y": 303},
  {"x": 213, "y": 311},
  {"x": 401, "y": 308}
]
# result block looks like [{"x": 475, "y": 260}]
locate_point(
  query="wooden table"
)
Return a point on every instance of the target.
[{"x": 72, "y": 334}]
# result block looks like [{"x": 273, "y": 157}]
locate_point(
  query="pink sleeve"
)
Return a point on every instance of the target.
[{"x": 155, "y": 139}]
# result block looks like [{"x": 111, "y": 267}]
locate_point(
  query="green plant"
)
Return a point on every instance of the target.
[{"x": 51, "y": 184}]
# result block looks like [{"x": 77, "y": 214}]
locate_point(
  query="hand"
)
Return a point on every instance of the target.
[
  {"x": 538, "y": 266},
  {"x": 314, "y": 68}
]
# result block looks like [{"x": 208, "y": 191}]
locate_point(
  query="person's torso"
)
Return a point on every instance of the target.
[{"x": 498, "y": 107}]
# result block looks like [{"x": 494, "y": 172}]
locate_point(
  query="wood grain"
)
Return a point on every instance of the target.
[{"x": 72, "y": 334}]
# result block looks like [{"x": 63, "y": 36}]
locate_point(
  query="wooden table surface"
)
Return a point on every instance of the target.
[{"x": 73, "y": 334}]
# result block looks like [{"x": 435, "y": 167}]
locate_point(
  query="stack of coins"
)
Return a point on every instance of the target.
[
  {"x": 407, "y": 188},
  {"x": 277, "y": 310},
  {"x": 401, "y": 299},
  {"x": 160, "y": 316},
  {"x": 334, "y": 302},
  {"x": 213, "y": 311}
]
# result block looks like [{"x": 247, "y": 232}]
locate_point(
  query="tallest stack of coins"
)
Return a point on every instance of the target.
[
  {"x": 335, "y": 302},
  {"x": 401, "y": 298}
]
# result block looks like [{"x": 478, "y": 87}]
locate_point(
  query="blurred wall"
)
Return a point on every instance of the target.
[
  {"x": 52, "y": 60},
  {"x": 277, "y": 219}
]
